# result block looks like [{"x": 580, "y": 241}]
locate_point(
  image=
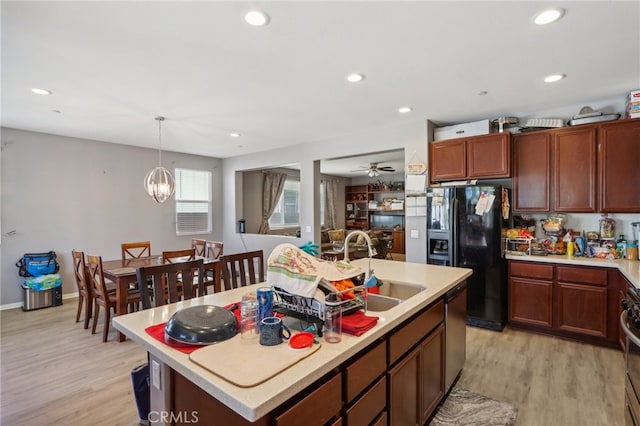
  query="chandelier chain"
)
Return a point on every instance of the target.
[{"x": 160, "y": 120}]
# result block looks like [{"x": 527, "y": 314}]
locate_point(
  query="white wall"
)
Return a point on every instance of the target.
[
  {"x": 408, "y": 134},
  {"x": 61, "y": 193}
]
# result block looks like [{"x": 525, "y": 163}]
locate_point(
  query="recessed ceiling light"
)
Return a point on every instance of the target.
[
  {"x": 234, "y": 134},
  {"x": 256, "y": 18},
  {"x": 548, "y": 16},
  {"x": 553, "y": 78},
  {"x": 41, "y": 91},
  {"x": 405, "y": 109},
  {"x": 355, "y": 77}
]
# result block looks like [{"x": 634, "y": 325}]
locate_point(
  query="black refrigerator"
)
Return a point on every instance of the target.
[{"x": 464, "y": 229}]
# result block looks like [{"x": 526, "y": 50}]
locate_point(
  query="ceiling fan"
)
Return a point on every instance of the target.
[{"x": 373, "y": 170}]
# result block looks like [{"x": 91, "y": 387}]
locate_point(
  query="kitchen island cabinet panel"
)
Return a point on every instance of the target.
[
  {"x": 432, "y": 372},
  {"x": 414, "y": 331},
  {"x": 532, "y": 163},
  {"x": 619, "y": 167},
  {"x": 317, "y": 408},
  {"x": 369, "y": 406},
  {"x": 404, "y": 390},
  {"x": 195, "y": 406},
  {"x": 575, "y": 170},
  {"x": 362, "y": 372}
]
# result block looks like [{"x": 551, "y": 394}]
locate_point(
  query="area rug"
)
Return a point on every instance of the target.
[{"x": 465, "y": 408}]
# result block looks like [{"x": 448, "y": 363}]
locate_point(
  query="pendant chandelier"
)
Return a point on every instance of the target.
[{"x": 159, "y": 183}]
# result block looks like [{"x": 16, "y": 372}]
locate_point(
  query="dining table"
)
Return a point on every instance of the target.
[{"x": 123, "y": 273}]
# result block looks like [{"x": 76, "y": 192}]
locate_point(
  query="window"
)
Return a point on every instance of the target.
[
  {"x": 193, "y": 202},
  {"x": 287, "y": 212}
]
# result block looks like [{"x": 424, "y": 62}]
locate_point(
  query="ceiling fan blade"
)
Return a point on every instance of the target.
[{"x": 387, "y": 169}]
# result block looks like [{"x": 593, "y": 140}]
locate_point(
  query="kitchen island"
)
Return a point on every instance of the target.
[{"x": 394, "y": 331}]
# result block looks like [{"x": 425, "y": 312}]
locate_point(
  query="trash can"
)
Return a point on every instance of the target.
[
  {"x": 42, "y": 292},
  {"x": 142, "y": 391},
  {"x": 42, "y": 287}
]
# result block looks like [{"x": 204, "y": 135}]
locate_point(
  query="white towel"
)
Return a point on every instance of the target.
[{"x": 297, "y": 272}]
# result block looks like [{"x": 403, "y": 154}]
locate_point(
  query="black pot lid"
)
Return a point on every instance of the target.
[{"x": 201, "y": 325}]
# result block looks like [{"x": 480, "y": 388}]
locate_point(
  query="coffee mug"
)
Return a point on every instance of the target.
[{"x": 272, "y": 331}]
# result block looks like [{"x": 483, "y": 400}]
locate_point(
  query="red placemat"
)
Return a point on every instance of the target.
[{"x": 157, "y": 332}]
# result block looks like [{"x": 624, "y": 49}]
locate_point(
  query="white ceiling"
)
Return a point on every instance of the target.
[{"x": 114, "y": 66}]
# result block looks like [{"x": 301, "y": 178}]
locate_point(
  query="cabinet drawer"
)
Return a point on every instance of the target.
[
  {"x": 414, "y": 331},
  {"x": 531, "y": 270},
  {"x": 574, "y": 274},
  {"x": 367, "y": 408},
  {"x": 317, "y": 408},
  {"x": 365, "y": 370}
]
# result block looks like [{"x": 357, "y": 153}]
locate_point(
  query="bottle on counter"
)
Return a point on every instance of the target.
[
  {"x": 332, "y": 319},
  {"x": 570, "y": 249},
  {"x": 621, "y": 247}
]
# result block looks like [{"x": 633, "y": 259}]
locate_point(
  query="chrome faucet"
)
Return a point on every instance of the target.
[{"x": 371, "y": 249}]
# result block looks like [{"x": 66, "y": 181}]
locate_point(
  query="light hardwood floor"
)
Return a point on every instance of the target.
[
  {"x": 54, "y": 372},
  {"x": 551, "y": 381}
]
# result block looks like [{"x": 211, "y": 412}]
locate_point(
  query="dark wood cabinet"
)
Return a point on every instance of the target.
[
  {"x": 532, "y": 166},
  {"x": 582, "y": 169},
  {"x": 447, "y": 160},
  {"x": 477, "y": 157},
  {"x": 404, "y": 388},
  {"x": 397, "y": 241},
  {"x": 489, "y": 156},
  {"x": 356, "y": 207},
  {"x": 431, "y": 372},
  {"x": 572, "y": 301},
  {"x": 574, "y": 167},
  {"x": 531, "y": 294},
  {"x": 619, "y": 166}
]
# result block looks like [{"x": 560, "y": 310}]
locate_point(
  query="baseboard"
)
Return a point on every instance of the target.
[{"x": 19, "y": 304}]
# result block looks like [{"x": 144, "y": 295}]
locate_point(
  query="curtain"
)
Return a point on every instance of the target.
[
  {"x": 330, "y": 203},
  {"x": 272, "y": 188}
]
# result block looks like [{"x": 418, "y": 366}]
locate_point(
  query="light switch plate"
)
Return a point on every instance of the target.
[
  {"x": 415, "y": 233},
  {"x": 155, "y": 374},
  {"x": 307, "y": 229}
]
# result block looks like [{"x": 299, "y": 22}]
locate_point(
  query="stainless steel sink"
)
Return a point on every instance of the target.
[
  {"x": 377, "y": 303},
  {"x": 392, "y": 294},
  {"x": 400, "y": 290}
]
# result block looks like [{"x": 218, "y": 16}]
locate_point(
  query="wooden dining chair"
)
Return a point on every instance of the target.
[
  {"x": 213, "y": 249},
  {"x": 241, "y": 269},
  {"x": 173, "y": 256},
  {"x": 200, "y": 247},
  {"x": 167, "y": 286},
  {"x": 103, "y": 297},
  {"x": 135, "y": 250},
  {"x": 84, "y": 290}
]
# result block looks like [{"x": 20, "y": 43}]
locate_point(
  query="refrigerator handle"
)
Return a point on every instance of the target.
[{"x": 453, "y": 244}]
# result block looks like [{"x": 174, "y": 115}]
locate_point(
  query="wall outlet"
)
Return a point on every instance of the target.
[
  {"x": 307, "y": 229},
  {"x": 155, "y": 374},
  {"x": 415, "y": 233}
]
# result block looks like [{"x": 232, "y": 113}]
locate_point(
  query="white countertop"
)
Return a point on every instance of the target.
[
  {"x": 255, "y": 402},
  {"x": 629, "y": 268}
]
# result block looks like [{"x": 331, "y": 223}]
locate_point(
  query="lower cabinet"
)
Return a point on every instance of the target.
[
  {"x": 416, "y": 381},
  {"x": 574, "y": 301}
]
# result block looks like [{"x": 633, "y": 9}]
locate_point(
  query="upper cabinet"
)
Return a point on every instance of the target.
[
  {"x": 582, "y": 169},
  {"x": 531, "y": 171},
  {"x": 477, "y": 157},
  {"x": 619, "y": 166},
  {"x": 574, "y": 152}
]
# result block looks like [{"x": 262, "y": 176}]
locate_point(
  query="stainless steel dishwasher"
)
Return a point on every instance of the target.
[{"x": 455, "y": 309}]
